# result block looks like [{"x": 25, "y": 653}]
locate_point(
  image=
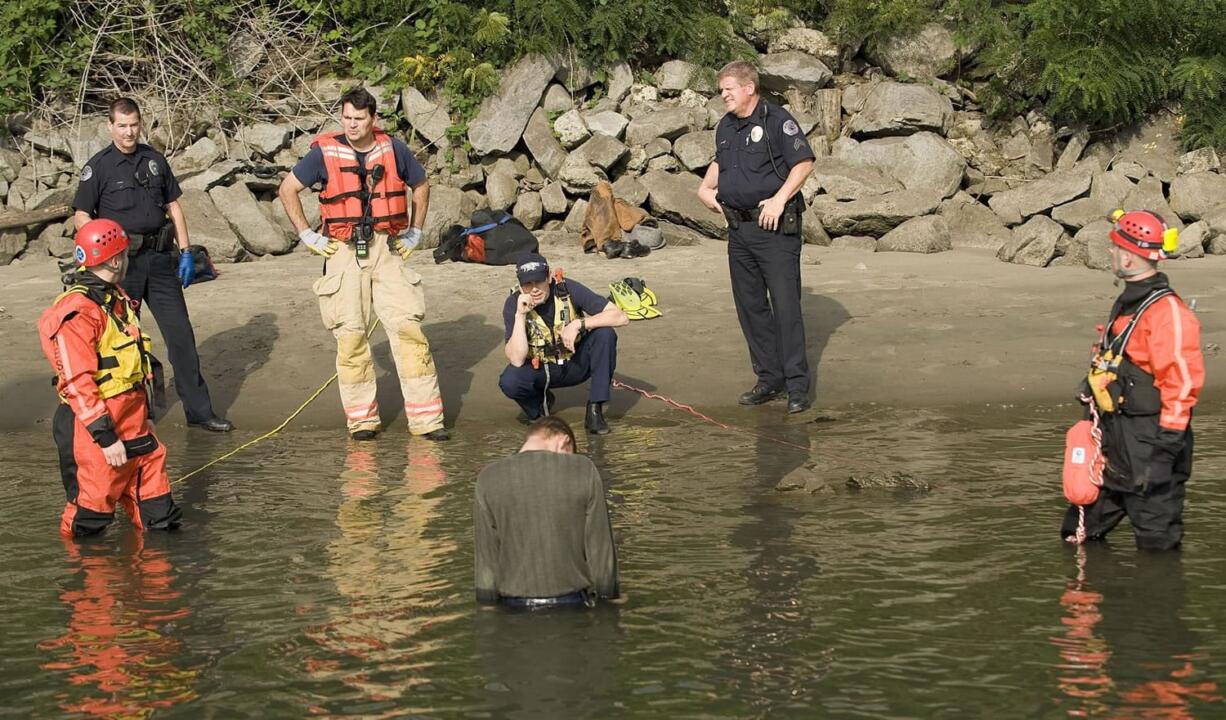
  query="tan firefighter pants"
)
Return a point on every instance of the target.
[{"x": 347, "y": 291}]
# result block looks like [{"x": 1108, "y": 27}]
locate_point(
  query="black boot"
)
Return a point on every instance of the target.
[{"x": 594, "y": 422}]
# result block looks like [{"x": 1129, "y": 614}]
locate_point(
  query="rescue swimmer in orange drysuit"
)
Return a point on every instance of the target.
[
  {"x": 103, "y": 365},
  {"x": 1144, "y": 379}
]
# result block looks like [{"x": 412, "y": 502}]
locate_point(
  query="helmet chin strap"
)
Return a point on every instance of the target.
[{"x": 1125, "y": 274}]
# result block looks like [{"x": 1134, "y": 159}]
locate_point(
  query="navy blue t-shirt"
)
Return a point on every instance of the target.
[
  {"x": 310, "y": 169},
  {"x": 586, "y": 302}
]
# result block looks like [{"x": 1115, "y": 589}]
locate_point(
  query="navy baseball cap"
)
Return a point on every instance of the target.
[{"x": 531, "y": 268}]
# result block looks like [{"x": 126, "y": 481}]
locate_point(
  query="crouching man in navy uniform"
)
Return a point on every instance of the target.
[{"x": 558, "y": 334}]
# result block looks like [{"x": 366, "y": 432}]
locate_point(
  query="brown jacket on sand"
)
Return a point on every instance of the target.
[{"x": 607, "y": 217}]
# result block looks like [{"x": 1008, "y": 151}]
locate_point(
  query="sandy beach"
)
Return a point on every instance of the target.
[{"x": 896, "y": 329}]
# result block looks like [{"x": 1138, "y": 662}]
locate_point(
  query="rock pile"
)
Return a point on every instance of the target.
[{"x": 907, "y": 161}]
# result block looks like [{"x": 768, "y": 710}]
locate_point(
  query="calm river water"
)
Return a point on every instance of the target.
[{"x": 315, "y": 578}]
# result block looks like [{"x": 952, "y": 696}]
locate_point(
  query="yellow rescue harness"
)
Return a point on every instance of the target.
[
  {"x": 125, "y": 357},
  {"x": 545, "y": 342},
  {"x": 1105, "y": 365}
]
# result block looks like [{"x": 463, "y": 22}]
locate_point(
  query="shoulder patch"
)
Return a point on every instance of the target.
[
  {"x": 87, "y": 172},
  {"x": 153, "y": 167},
  {"x": 791, "y": 128}
]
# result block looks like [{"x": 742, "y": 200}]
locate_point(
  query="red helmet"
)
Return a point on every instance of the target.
[
  {"x": 99, "y": 241},
  {"x": 1144, "y": 233}
]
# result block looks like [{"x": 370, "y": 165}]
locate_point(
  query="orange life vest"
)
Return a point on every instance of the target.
[{"x": 340, "y": 202}]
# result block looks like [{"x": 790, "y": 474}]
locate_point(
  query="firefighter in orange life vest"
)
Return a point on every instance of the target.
[
  {"x": 367, "y": 236},
  {"x": 1144, "y": 379},
  {"x": 108, "y": 450}
]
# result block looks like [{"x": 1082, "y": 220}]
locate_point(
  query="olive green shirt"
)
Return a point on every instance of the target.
[{"x": 541, "y": 528}]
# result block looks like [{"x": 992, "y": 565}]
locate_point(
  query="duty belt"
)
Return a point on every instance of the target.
[
  {"x": 150, "y": 241},
  {"x": 579, "y": 597},
  {"x": 742, "y": 215}
]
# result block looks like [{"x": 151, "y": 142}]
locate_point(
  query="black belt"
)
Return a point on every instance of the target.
[
  {"x": 152, "y": 241},
  {"x": 742, "y": 215},
  {"x": 578, "y": 597}
]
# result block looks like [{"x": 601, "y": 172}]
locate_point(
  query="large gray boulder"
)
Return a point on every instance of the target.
[
  {"x": 669, "y": 123},
  {"x": 553, "y": 198},
  {"x": 1057, "y": 188},
  {"x": 209, "y": 227},
  {"x": 1147, "y": 195},
  {"x": 557, "y": 99},
  {"x": 500, "y": 189},
  {"x": 891, "y": 108},
  {"x": 259, "y": 233},
  {"x": 429, "y": 119},
  {"x": 923, "y": 161},
  {"x": 811, "y": 230},
  {"x": 927, "y": 234},
  {"x": 12, "y": 243},
  {"x": 503, "y": 116},
  {"x": 1200, "y": 160},
  {"x": 570, "y": 129},
  {"x": 448, "y": 206},
  {"x": 213, "y": 173},
  {"x": 196, "y": 158},
  {"x": 579, "y": 176},
  {"x": 1094, "y": 237},
  {"x": 621, "y": 77},
  {"x": 972, "y": 225},
  {"x": 602, "y": 151},
  {"x": 874, "y": 215},
  {"x": 1193, "y": 196},
  {"x": 808, "y": 41},
  {"x": 928, "y": 54},
  {"x": 544, "y": 147},
  {"x": 695, "y": 150},
  {"x": 607, "y": 122},
  {"x": 265, "y": 139},
  {"x": 779, "y": 72},
  {"x": 1107, "y": 193},
  {"x": 846, "y": 180},
  {"x": 529, "y": 210},
  {"x": 1034, "y": 243},
  {"x": 674, "y": 197},
  {"x": 1192, "y": 240},
  {"x": 10, "y": 164},
  {"x": 630, "y": 189},
  {"x": 677, "y": 75}
]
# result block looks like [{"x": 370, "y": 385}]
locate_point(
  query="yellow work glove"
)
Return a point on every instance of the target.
[
  {"x": 406, "y": 242},
  {"x": 318, "y": 244}
]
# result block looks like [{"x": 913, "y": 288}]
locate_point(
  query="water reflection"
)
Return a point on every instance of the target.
[
  {"x": 1126, "y": 651},
  {"x": 775, "y": 631},
  {"x": 117, "y": 649},
  {"x": 382, "y": 564}
]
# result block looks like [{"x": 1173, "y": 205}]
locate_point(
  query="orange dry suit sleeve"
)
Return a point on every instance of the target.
[
  {"x": 1168, "y": 347},
  {"x": 69, "y": 333}
]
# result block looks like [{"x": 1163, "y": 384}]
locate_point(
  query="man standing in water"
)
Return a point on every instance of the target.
[
  {"x": 761, "y": 162},
  {"x": 541, "y": 525},
  {"x": 1144, "y": 380},
  {"x": 102, "y": 361}
]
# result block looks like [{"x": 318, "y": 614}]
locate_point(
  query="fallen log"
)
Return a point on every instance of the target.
[{"x": 34, "y": 217}]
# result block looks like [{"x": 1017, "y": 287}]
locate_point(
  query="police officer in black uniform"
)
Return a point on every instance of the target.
[
  {"x": 131, "y": 183},
  {"x": 761, "y": 161}
]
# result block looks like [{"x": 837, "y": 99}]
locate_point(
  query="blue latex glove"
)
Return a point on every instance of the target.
[{"x": 187, "y": 267}]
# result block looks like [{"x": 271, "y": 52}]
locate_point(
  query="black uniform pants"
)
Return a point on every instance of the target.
[
  {"x": 765, "y": 271},
  {"x": 153, "y": 280},
  {"x": 595, "y": 358}
]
